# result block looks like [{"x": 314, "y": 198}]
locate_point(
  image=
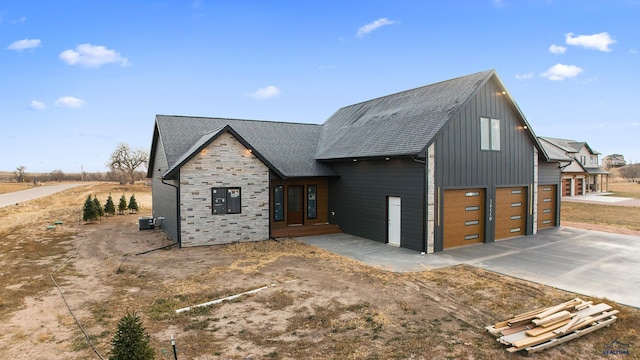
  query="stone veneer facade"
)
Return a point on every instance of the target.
[{"x": 224, "y": 163}]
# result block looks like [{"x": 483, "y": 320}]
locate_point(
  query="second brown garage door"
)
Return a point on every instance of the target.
[
  {"x": 463, "y": 217},
  {"x": 546, "y": 206},
  {"x": 511, "y": 212}
]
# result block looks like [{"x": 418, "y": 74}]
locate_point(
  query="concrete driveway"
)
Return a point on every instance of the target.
[
  {"x": 16, "y": 197},
  {"x": 582, "y": 261}
]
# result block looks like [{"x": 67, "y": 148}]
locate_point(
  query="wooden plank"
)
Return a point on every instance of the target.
[
  {"x": 595, "y": 309},
  {"x": 501, "y": 324},
  {"x": 532, "y": 313},
  {"x": 551, "y": 319},
  {"x": 495, "y": 331},
  {"x": 591, "y": 310},
  {"x": 584, "y": 305},
  {"x": 541, "y": 330},
  {"x": 511, "y": 330},
  {"x": 569, "y": 325},
  {"x": 571, "y": 336},
  {"x": 559, "y": 307},
  {"x": 535, "y": 340}
]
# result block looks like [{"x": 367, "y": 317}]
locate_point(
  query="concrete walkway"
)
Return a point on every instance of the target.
[
  {"x": 16, "y": 197},
  {"x": 586, "y": 262}
]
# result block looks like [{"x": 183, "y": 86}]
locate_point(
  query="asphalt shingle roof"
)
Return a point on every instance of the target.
[
  {"x": 554, "y": 152},
  {"x": 400, "y": 124},
  {"x": 289, "y": 147}
]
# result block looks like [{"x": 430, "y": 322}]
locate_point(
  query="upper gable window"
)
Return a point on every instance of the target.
[{"x": 489, "y": 134}]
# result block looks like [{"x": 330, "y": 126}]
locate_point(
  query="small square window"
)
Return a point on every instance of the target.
[{"x": 226, "y": 201}]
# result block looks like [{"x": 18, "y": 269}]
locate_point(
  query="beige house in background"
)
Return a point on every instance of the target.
[
  {"x": 583, "y": 174},
  {"x": 613, "y": 161}
]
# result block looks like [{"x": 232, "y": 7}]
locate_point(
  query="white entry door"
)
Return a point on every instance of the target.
[{"x": 393, "y": 224}]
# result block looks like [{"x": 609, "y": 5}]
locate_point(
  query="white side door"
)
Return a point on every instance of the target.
[{"x": 393, "y": 223}]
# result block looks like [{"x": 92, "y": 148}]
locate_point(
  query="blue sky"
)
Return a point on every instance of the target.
[{"x": 79, "y": 77}]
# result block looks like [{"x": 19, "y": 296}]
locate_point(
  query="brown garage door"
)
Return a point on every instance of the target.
[
  {"x": 566, "y": 184},
  {"x": 579, "y": 186},
  {"x": 511, "y": 212},
  {"x": 546, "y": 206},
  {"x": 463, "y": 217}
]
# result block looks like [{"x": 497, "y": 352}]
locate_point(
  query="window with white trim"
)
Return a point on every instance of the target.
[{"x": 489, "y": 134}]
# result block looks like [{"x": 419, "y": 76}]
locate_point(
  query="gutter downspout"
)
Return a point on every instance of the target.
[{"x": 179, "y": 238}]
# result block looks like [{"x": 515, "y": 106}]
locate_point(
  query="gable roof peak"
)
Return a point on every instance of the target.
[{"x": 400, "y": 124}]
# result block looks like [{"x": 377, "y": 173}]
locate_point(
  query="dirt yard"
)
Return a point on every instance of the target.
[{"x": 316, "y": 305}]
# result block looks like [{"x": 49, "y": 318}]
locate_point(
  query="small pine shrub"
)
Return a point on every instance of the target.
[
  {"x": 122, "y": 205},
  {"x": 99, "y": 208},
  {"x": 109, "y": 206},
  {"x": 131, "y": 340},
  {"x": 89, "y": 211},
  {"x": 133, "y": 205}
]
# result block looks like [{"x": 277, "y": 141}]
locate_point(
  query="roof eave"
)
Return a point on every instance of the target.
[{"x": 171, "y": 173}]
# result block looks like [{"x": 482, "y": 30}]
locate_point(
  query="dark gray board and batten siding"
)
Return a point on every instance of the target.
[
  {"x": 164, "y": 196},
  {"x": 460, "y": 163},
  {"x": 358, "y": 198}
]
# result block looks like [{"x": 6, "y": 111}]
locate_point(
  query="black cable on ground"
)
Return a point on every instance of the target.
[
  {"x": 142, "y": 253},
  {"x": 160, "y": 248},
  {"x": 86, "y": 335}
]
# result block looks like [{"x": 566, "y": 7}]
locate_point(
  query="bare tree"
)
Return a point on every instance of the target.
[
  {"x": 124, "y": 161},
  {"x": 630, "y": 172},
  {"x": 56, "y": 175},
  {"x": 20, "y": 176}
]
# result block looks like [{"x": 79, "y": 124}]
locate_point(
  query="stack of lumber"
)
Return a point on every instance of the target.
[{"x": 546, "y": 327}]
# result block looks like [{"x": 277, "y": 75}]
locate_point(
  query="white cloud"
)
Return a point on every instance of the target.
[
  {"x": 20, "y": 45},
  {"x": 92, "y": 56},
  {"x": 635, "y": 123},
  {"x": 524, "y": 76},
  {"x": 70, "y": 102},
  {"x": 20, "y": 20},
  {"x": 599, "y": 41},
  {"x": 559, "y": 72},
  {"x": 499, "y": 3},
  {"x": 633, "y": 51},
  {"x": 37, "y": 105},
  {"x": 265, "y": 92},
  {"x": 557, "y": 49},
  {"x": 366, "y": 29}
]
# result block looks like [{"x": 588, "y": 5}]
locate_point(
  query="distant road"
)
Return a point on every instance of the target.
[{"x": 37, "y": 192}]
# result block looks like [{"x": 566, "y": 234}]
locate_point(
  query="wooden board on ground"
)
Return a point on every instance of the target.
[{"x": 543, "y": 328}]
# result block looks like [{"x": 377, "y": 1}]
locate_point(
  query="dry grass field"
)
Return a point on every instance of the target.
[
  {"x": 317, "y": 305},
  {"x": 11, "y": 187},
  {"x": 606, "y": 217}
]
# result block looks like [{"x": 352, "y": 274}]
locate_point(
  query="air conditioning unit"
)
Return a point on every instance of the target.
[{"x": 145, "y": 223}]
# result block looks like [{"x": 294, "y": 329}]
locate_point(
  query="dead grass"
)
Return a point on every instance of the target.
[
  {"x": 625, "y": 189},
  {"x": 625, "y": 217},
  {"x": 608, "y": 216},
  {"x": 321, "y": 306},
  {"x": 11, "y": 187}
]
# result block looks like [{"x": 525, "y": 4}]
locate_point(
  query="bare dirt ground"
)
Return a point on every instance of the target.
[{"x": 317, "y": 305}]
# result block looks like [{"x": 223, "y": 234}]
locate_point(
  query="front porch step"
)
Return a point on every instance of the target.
[{"x": 305, "y": 230}]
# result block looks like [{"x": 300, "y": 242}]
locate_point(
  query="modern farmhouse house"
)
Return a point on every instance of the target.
[
  {"x": 440, "y": 166},
  {"x": 583, "y": 175}
]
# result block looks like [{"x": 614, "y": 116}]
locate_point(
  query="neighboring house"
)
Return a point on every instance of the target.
[
  {"x": 444, "y": 165},
  {"x": 613, "y": 161},
  {"x": 583, "y": 175}
]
